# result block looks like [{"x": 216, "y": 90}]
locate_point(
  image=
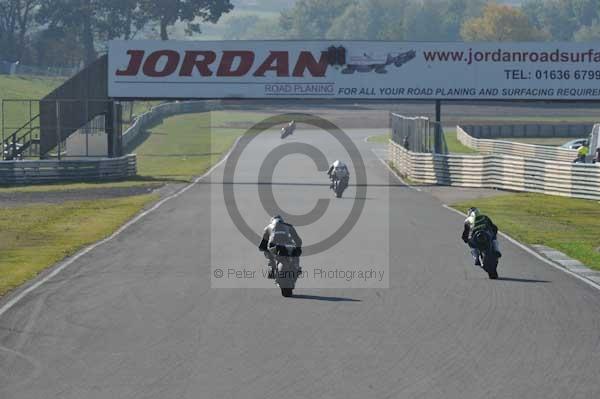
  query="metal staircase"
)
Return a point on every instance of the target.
[{"x": 23, "y": 142}]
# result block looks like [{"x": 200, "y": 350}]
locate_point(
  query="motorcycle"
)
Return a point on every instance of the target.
[
  {"x": 288, "y": 268},
  {"x": 339, "y": 185},
  {"x": 487, "y": 254},
  {"x": 288, "y": 129}
]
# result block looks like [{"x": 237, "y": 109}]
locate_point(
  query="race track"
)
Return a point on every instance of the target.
[{"x": 137, "y": 318}]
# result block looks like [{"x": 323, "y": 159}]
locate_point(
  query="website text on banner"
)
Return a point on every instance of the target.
[{"x": 373, "y": 70}]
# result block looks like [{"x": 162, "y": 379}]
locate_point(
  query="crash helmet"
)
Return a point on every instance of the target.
[
  {"x": 473, "y": 212},
  {"x": 276, "y": 219}
]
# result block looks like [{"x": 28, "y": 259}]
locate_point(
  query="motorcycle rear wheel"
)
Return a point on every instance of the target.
[{"x": 490, "y": 265}]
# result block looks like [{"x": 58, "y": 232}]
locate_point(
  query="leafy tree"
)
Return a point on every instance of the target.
[
  {"x": 558, "y": 17},
  {"x": 168, "y": 12},
  {"x": 238, "y": 27},
  {"x": 56, "y": 47},
  {"x": 370, "y": 19},
  {"x": 16, "y": 17},
  {"x": 119, "y": 19},
  {"x": 311, "y": 19},
  {"x": 585, "y": 11},
  {"x": 74, "y": 16},
  {"x": 500, "y": 23},
  {"x": 350, "y": 25},
  {"x": 455, "y": 13},
  {"x": 425, "y": 21},
  {"x": 588, "y": 33},
  {"x": 264, "y": 29}
]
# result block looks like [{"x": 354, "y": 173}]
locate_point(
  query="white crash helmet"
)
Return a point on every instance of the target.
[{"x": 276, "y": 219}]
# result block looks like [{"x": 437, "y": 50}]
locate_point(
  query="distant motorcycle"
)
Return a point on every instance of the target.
[
  {"x": 487, "y": 253},
  {"x": 288, "y": 129},
  {"x": 288, "y": 268},
  {"x": 339, "y": 185}
]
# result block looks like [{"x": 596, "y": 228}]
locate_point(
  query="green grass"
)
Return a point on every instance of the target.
[
  {"x": 17, "y": 113},
  {"x": 177, "y": 150},
  {"x": 455, "y": 146},
  {"x": 27, "y": 87},
  {"x": 567, "y": 224},
  {"x": 379, "y": 139},
  {"x": 36, "y": 236},
  {"x": 236, "y": 119},
  {"x": 182, "y": 147},
  {"x": 80, "y": 186},
  {"x": 404, "y": 178}
]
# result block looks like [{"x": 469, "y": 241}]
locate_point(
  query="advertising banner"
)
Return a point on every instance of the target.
[{"x": 373, "y": 70}]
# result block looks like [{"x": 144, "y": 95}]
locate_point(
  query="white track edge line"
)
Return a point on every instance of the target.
[
  {"x": 535, "y": 254},
  {"x": 62, "y": 265},
  {"x": 395, "y": 174}
]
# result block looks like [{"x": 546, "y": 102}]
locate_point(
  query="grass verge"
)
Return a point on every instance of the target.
[
  {"x": 379, "y": 139},
  {"x": 37, "y": 236},
  {"x": 182, "y": 147},
  {"x": 34, "y": 237},
  {"x": 81, "y": 186},
  {"x": 27, "y": 87},
  {"x": 405, "y": 179},
  {"x": 569, "y": 225},
  {"x": 455, "y": 146}
]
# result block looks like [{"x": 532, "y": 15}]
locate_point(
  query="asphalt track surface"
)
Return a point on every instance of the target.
[{"x": 137, "y": 318}]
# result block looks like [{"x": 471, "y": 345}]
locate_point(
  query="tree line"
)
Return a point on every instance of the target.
[
  {"x": 426, "y": 20},
  {"x": 68, "y": 32}
]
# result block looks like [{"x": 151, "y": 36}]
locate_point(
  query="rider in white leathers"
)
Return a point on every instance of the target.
[{"x": 338, "y": 170}]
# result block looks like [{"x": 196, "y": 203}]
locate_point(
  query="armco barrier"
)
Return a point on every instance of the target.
[
  {"x": 48, "y": 171},
  {"x": 499, "y": 171},
  {"x": 515, "y": 149},
  {"x": 496, "y": 131}
]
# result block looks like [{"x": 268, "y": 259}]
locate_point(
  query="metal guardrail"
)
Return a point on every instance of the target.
[
  {"x": 417, "y": 133},
  {"x": 499, "y": 171},
  {"x": 529, "y": 130},
  {"x": 48, "y": 171},
  {"x": 515, "y": 149}
]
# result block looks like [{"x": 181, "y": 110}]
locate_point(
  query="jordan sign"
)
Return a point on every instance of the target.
[{"x": 371, "y": 70}]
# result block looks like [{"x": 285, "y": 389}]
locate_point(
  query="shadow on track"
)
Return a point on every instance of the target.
[
  {"x": 522, "y": 280},
  {"x": 325, "y": 298},
  {"x": 398, "y": 185}
]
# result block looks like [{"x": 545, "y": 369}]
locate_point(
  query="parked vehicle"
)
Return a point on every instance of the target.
[{"x": 574, "y": 144}]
